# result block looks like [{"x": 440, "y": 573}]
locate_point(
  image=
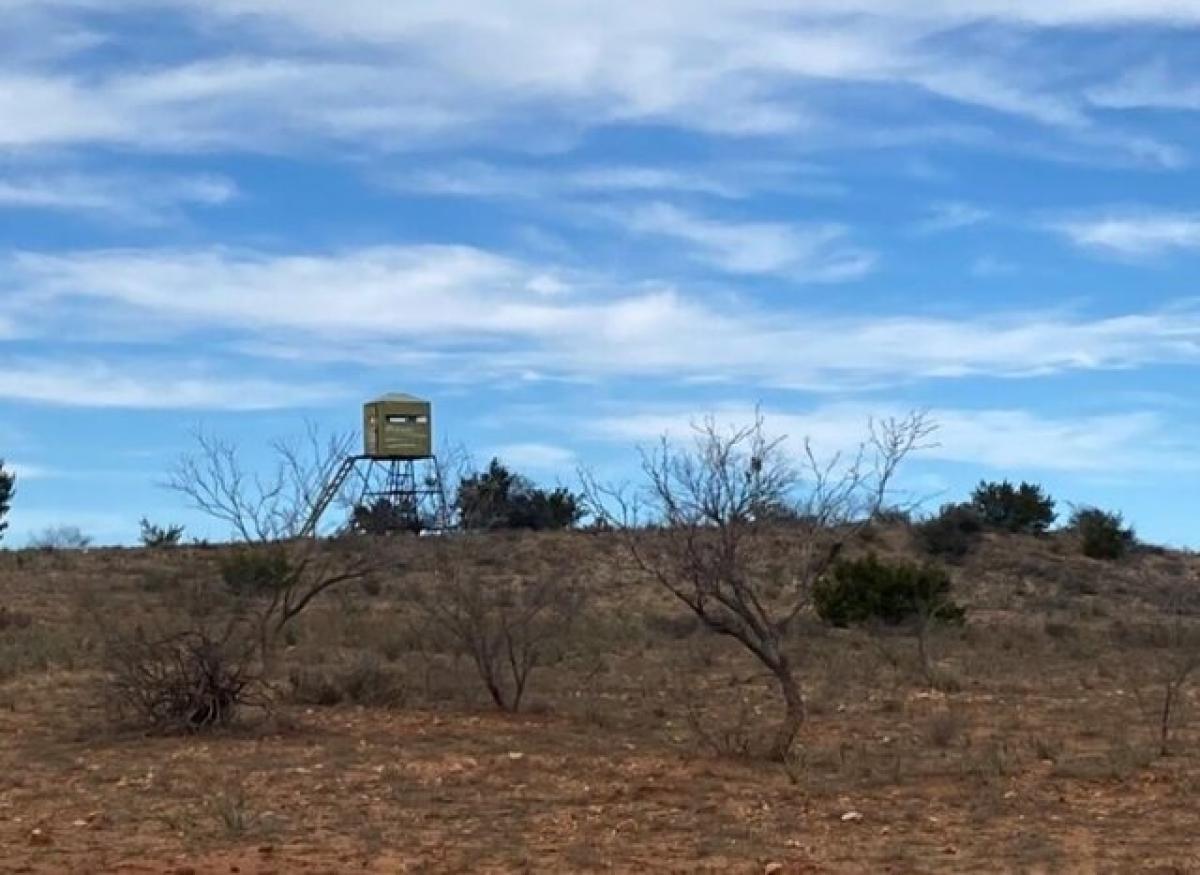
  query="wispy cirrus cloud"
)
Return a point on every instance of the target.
[
  {"x": 135, "y": 198},
  {"x": 536, "y": 456},
  {"x": 1001, "y": 439},
  {"x": 164, "y": 385},
  {"x": 464, "y": 70},
  {"x": 725, "y": 181},
  {"x": 820, "y": 252},
  {"x": 1133, "y": 234},
  {"x": 952, "y": 216},
  {"x": 499, "y": 317},
  {"x": 1150, "y": 86}
]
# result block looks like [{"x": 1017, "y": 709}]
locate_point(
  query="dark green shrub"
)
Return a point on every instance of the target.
[
  {"x": 159, "y": 536},
  {"x": 1023, "y": 509},
  {"x": 1102, "y": 535},
  {"x": 384, "y": 517},
  {"x": 8, "y": 488},
  {"x": 868, "y": 590},
  {"x": 499, "y": 499},
  {"x": 249, "y": 572},
  {"x": 953, "y": 533}
]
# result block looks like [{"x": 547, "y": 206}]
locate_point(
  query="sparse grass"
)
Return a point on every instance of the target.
[
  {"x": 389, "y": 758},
  {"x": 231, "y": 810},
  {"x": 361, "y": 680}
]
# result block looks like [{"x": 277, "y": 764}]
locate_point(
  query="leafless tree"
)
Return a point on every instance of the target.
[
  {"x": 276, "y": 575},
  {"x": 275, "y": 583},
  {"x": 740, "y": 530},
  {"x": 508, "y": 624},
  {"x": 1176, "y": 661},
  {"x": 257, "y": 507}
]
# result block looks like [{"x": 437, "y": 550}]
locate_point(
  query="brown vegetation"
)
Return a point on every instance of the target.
[{"x": 379, "y": 749}]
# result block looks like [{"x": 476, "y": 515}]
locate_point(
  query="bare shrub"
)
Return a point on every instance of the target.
[
  {"x": 60, "y": 538},
  {"x": 742, "y": 531},
  {"x": 508, "y": 625},
  {"x": 733, "y": 737},
  {"x": 185, "y": 681},
  {"x": 1175, "y": 662}
]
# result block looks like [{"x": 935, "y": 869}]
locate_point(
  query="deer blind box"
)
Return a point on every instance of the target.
[{"x": 398, "y": 427}]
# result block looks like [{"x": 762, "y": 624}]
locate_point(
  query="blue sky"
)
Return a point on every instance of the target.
[{"x": 576, "y": 225}]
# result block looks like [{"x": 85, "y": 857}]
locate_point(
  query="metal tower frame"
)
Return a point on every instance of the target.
[{"x": 413, "y": 498}]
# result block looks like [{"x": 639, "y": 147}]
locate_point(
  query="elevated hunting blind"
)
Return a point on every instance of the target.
[
  {"x": 398, "y": 427},
  {"x": 399, "y": 483}
]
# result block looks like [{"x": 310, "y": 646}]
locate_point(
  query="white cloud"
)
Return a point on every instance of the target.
[
  {"x": 387, "y": 291},
  {"x": 132, "y": 198},
  {"x": 729, "y": 181},
  {"x": 1004, "y": 440},
  {"x": 1134, "y": 234},
  {"x": 26, "y": 472},
  {"x": 232, "y": 102},
  {"x": 535, "y": 456},
  {"x": 810, "y": 253},
  {"x": 988, "y": 266},
  {"x": 276, "y": 74},
  {"x": 458, "y": 312},
  {"x": 952, "y": 217},
  {"x": 98, "y": 384},
  {"x": 1149, "y": 87}
]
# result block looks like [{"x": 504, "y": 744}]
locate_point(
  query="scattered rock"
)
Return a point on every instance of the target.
[
  {"x": 773, "y": 869},
  {"x": 852, "y": 817},
  {"x": 38, "y": 838}
]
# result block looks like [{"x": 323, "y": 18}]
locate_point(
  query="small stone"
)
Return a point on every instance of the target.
[
  {"x": 516, "y": 755},
  {"x": 38, "y": 838},
  {"x": 773, "y": 869},
  {"x": 852, "y": 817}
]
